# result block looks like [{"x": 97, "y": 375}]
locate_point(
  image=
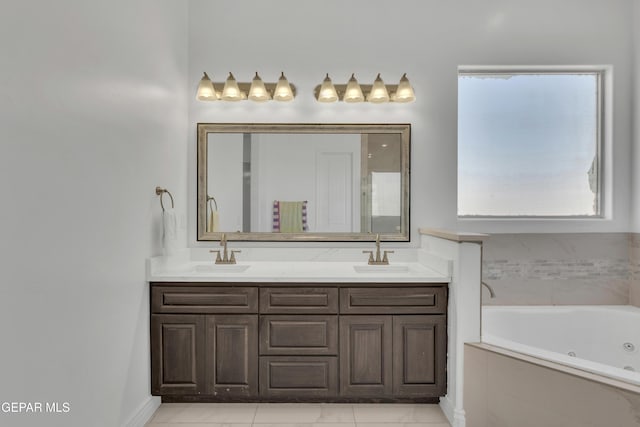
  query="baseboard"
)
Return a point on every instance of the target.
[
  {"x": 143, "y": 413},
  {"x": 455, "y": 417}
]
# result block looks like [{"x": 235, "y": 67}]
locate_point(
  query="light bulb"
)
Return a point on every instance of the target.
[
  {"x": 258, "y": 92},
  {"x": 327, "y": 91},
  {"x": 405, "y": 91},
  {"x": 283, "y": 90},
  {"x": 353, "y": 93},
  {"x": 379, "y": 92},
  {"x": 231, "y": 91},
  {"x": 206, "y": 92}
]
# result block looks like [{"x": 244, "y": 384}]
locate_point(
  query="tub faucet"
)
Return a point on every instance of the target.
[
  {"x": 377, "y": 260},
  {"x": 492, "y": 294},
  {"x": 225, "y": 258}
]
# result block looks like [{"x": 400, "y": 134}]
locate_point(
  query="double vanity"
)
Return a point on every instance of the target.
[
  {"x": 298, "y": 331},
  {"x": 292, "y": 318}
]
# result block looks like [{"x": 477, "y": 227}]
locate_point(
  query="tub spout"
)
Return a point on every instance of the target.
[{"x": 492, "y": 294}]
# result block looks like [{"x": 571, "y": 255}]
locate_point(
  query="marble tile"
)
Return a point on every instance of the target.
[
  {"x": 634, "y": 293},
  {"x": 553, "y": 246},
  {"x": 217, "y": 413},
  {"x": 475, "y": 386},
  {"x": 516, "y": 392},
  {"x": 603, "y": 292},
  {"x": 398, "y": 413},
  {"x": 167, "y": 411},
  {"x": 520, "y": 292},
  {"x": 403, "y": 425},
  {"x": 281, "y": 424},
  {"x": 297, "y": 415},
  {"x": 269, "y": 413},
  {"x": 198, "y": 425},
  {"x": 562, "y": 268}
]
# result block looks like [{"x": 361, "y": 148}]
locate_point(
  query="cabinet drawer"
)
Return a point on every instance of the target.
[
  {"x": 394, "y": 300},
  {"x": 298, "y": 335},
  {"x": 302, "y": 376},
  {"x": 298, "y": 300},
  {"x": 203, "y": 299}
]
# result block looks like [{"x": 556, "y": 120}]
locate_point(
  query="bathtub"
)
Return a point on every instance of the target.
[{"x": 604, "y": 340}]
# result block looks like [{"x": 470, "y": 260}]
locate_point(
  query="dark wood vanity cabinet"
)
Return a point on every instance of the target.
[
  {"x": 212, "y": 351},
  {"x": 286, "y": 342}
]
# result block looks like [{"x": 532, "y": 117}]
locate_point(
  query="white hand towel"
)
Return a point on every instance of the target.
[{"x": 169, "y": 232}]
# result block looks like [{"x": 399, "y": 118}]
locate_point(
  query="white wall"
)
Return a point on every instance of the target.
[
  {"x": 92, "y": 118},
  {"x": 635, "y": 158},
  {"x": 428, "y": 40},
  {"x": 288, "y": 171},
  {"x": 224, "y": 178}
]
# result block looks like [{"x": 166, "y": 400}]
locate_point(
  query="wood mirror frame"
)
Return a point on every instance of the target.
[{"x": 205, "y": 129}]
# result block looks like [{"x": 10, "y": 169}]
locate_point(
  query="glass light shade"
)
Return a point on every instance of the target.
[
  {"x": 353, "y": 93},
  {"x": 379, "y": 92},
  {"x": 327, "y": 91},
  {"x": 231, "y": 91},
  {"x": 258, "y": 92},
  {"x": 206, "y": 92},
  {"x": 283, "y": 90},
  {"x": 405, "y": 91}
]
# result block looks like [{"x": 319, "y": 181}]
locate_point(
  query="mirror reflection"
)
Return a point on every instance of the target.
[{"x": 303, "y": 182}]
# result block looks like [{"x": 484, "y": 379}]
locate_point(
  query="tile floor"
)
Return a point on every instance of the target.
[{"x": 297, "y": 415}]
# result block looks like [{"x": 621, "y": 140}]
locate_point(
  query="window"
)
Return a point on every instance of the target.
[{"x": 529, "y": 144}]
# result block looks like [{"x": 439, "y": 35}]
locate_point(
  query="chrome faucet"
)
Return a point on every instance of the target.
[
  {"x": 225, "y": 258},
  {"x": 377, "y": 260},
  {"x": 492, "y": 294}
]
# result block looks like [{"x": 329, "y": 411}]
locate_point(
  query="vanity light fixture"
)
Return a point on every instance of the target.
[
  {"x": 283, "y": 90},
  {"x": 257, "y": 90},
  {"x": 327, "y": 91},
  {"x": 353, "y": 93},
  {"x": 206, "y": 92},
  {"x": 405, "y": 91},
  {"x": 231, "y": 91},
  {"x": 376, "y": 93}
]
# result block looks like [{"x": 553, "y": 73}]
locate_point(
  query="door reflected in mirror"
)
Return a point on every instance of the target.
[{"x": 303, "y": 182}]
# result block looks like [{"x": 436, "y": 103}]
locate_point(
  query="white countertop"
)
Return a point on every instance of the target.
[
  {"x": 189, "y": 266},
  {"x": 297, "y": 271}
]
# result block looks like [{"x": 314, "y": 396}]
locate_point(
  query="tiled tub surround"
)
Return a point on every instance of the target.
[
  {"x": 506, "y": 389},
  {"x": 634, "y": 266},
  {"x": 572, "y": 268}
]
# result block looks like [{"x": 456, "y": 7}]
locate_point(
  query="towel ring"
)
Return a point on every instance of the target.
[
  {"x": 160, "y": 192},
  {"x": 209, "y": 199}
]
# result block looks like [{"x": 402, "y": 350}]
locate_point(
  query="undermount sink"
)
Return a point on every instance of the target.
[
  {"x": 221, "y": 268},
  {"x": 381, "y": 268}
]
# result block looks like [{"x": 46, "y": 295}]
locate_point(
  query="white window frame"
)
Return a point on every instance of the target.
[{"x": 603, "y": 152}]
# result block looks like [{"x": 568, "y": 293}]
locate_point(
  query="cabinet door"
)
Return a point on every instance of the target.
[
  {"x": 232, "y": 355},
  {"x": 419, "y": 359},
  {"x": 177, "y": 354},
  {"x": 365, "y": 356}
]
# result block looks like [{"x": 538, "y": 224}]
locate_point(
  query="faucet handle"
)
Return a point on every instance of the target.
[
  {"x": 385, "y": 258},
  {"x": 218, "y": 258},
  {"x": 370, "y": 255},
  {"x": 232, "y": 260}
]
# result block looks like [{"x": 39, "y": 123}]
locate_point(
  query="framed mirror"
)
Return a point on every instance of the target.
[{"x": 303, "y": 182}]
